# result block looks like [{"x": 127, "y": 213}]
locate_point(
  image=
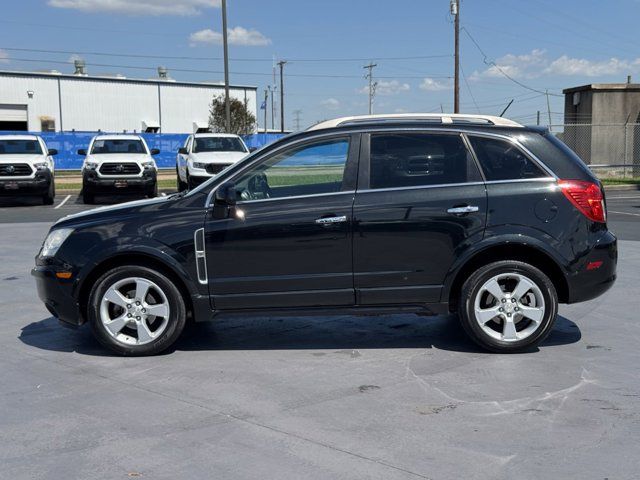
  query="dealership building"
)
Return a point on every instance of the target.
[{"x": 56, "y": 102}]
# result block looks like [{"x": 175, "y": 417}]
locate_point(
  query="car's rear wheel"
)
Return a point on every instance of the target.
[
  {"x": 508, "y": 306},
  {"x": 136, "y": 311}
]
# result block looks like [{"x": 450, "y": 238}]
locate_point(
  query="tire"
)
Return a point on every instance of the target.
[
  {"x": 87, "y": 197},
  {"x": 133, "y": 330},
  {"x": 528, "y": 300},
  {"x": 182, "y": 186},
  {"x": 153, "y": 191},
  {"x": 49, "y": 197}
]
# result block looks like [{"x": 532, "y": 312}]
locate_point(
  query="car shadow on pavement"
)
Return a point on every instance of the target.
[
  {"x": 24, "y": 201},
  {"x": 348, "y": 333}
]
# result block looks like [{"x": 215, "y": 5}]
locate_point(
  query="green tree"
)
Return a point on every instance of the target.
[{"x": 242, "y": 120}]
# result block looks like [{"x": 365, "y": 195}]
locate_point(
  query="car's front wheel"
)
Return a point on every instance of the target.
[
  {"x": 49, "y": 197},
  {"x": 136, "y": 310},
  {"x": 182, "y": 186},
  {"x": 508, "y": 306}
]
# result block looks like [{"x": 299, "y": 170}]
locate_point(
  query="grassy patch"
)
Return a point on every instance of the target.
[{"x": 620, "y": 181}]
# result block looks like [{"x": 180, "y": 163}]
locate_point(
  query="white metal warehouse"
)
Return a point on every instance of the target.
[{"x": 61, "y": 102}]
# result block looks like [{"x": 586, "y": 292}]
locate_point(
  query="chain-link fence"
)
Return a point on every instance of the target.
[{"x": 610, "y": 150}]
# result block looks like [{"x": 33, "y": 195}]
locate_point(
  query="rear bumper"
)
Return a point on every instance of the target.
[
  {"x": 56, "y": 294},
  {"x": 597, "y": 270},
  {"x": 39, "y": 185},
  {"x": 92, "y": 182}
]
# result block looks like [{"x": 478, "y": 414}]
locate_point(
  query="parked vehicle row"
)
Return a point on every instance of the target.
[
  {"x": 113, "y": 164},
  {"x": 473, "y": 215}
]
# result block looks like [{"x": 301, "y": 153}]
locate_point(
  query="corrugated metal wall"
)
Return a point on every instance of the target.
[{"x": 91, "y": 104}]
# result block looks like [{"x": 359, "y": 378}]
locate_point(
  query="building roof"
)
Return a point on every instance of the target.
[
  {"x": 442, "y": 118},
  {"x": 98, "y": 78},
  {"x": 603, "y": 87}
]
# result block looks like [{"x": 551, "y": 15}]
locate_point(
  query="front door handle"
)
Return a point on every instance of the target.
[
  {"x": 463, "y": 210},
  {"x": 331, "y": 220}
]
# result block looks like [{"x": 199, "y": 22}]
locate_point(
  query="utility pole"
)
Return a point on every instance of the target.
[
  {"x": 227, "y": 103},
  {"x": 297, "y": 119},
  {"x": 281, "y": 64},
  {"x": 272, "y": 92},
  {"x": 266, "y": 97},
  {"x": 372, "y": 85},
  {"x": 455, "y": 11},
  {"x": 548, "y": 109}
]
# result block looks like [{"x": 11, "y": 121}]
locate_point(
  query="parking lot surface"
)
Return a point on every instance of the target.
[{"x": 389, "y": 397}]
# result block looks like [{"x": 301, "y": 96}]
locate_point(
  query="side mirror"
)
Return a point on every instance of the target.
[
  {"x": 155, "y": 151},
  {"x": 82, "y": 152},
  {"x": 183, "y": 151},
  {"x": 224, "y": 204},
  {"x": 52, "y": 152},
  {"x": 252, "y": 149},
  {"x": 226, "y": 194}
]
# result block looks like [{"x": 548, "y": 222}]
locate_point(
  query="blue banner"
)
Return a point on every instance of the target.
[{"x": 68, "y": 144}]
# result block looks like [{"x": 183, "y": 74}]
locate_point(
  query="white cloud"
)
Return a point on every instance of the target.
[
  {"x": 4, "y": 56},
  {"x": 386, "y": 87},
  {"x": 331, "y": 103},
  {"x": 237, "y": 36},
  {"x": 138, "y": 7},
  {"x": 537, "y": 64},
  {"x": 432, "y": 85}
]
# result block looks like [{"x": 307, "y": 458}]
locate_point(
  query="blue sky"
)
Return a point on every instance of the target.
[{"x": 541, "y": 44}]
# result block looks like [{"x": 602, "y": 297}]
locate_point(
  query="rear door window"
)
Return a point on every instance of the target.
[
  {"x": 503, "y": 160},
  {"x": 419, "y": 159}
]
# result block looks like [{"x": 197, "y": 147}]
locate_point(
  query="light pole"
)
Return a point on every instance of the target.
[
  {"x": 227, "y": 103},
  {"x": 281, "y": 64},
  {"x": 455, "y": 11}
]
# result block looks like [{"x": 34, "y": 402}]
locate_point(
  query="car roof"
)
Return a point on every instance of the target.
[
  {"x": 19, "y": 137},
  {"x": 431, "y": 119},
  {"x": 223, "y": 135},
  {"x": 117, "y": 137}
]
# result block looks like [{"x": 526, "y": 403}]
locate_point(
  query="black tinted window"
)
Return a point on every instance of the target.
[
  {"x": 30, "y": 147},
  {"x": 414, "y": 159},
  {"x": 218, "y": 144},
  {"x": 117, "y": 146},
  {"x": 502, "y": 160}
]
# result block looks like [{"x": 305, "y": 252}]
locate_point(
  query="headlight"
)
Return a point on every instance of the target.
[
  {"x": 41, "y": 166},
  {"x": 199, "y": 165},
  {"x": 53, "y": 241},
  {"x": 150, "y": 165},
  {"x": 90, "y": 165}
]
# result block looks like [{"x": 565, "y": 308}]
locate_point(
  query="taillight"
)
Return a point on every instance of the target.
[{"x": 587, "y": 197}]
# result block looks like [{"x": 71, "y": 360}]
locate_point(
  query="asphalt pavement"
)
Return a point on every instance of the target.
[{"x": 384, "y": 397}]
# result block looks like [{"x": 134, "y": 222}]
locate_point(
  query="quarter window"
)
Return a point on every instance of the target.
[
  {"x": 502, "y": 160},
  {"x": 416, "y": 159},
  {"x": 310, "y": 169}
]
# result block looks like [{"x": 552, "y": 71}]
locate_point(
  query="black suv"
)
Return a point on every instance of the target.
[{"x": 449, "y": 213}]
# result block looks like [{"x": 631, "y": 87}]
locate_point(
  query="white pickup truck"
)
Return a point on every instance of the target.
[
  {"x": 118, "y": 163},
  {"x": 27, "y": 167},
  {"x": 205, "y": 155}
]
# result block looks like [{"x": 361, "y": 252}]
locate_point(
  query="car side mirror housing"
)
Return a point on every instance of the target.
[
  {"x": 183, "y": 151},
  {"x": 52, "y": 152},
  {"x": 252, "y": 149},
  {"x": 155, "y": 151},
  {"x": 82, "y": 151},
  {"x": 224, "y": 201}
]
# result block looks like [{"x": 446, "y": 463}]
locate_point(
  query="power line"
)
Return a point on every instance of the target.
[
  {"x": 486, "y": 61},
  {"x": 185, "y": 57},
  {"x": 190, "y": 70}
]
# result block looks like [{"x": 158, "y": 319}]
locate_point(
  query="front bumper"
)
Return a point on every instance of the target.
[
  {"x": 94, "y": 183},
  {"x": 57, "y": 295},
  {"x": 589, "y": 283},
  {"x": 38, "y": 185}
]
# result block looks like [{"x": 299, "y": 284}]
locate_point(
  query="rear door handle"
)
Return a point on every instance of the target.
[
  {"x": 331, "y": 220},
  {"x": 461, "y": 210}
]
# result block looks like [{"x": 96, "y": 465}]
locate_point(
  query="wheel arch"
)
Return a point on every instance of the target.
[
  {"x": 131, "y": 259},
  {"x": 507, "y": 251}
]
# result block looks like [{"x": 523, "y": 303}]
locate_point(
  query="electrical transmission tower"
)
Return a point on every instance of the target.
[
  {"x": 296, "y": 119},
  {"x": 372, "y": 84}
]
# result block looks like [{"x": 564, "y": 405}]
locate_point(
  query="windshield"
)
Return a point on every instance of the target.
[
  {"x": 20, "y": 147},
  {"x": 218, "y": 144},
  {"x": 117, "y": 146}
]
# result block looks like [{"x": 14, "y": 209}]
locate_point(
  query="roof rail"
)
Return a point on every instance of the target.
[{"x": 443, "y": 118}]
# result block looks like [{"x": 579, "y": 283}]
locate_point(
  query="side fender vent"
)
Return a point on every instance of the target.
[{"x": 201, "y": 256}]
